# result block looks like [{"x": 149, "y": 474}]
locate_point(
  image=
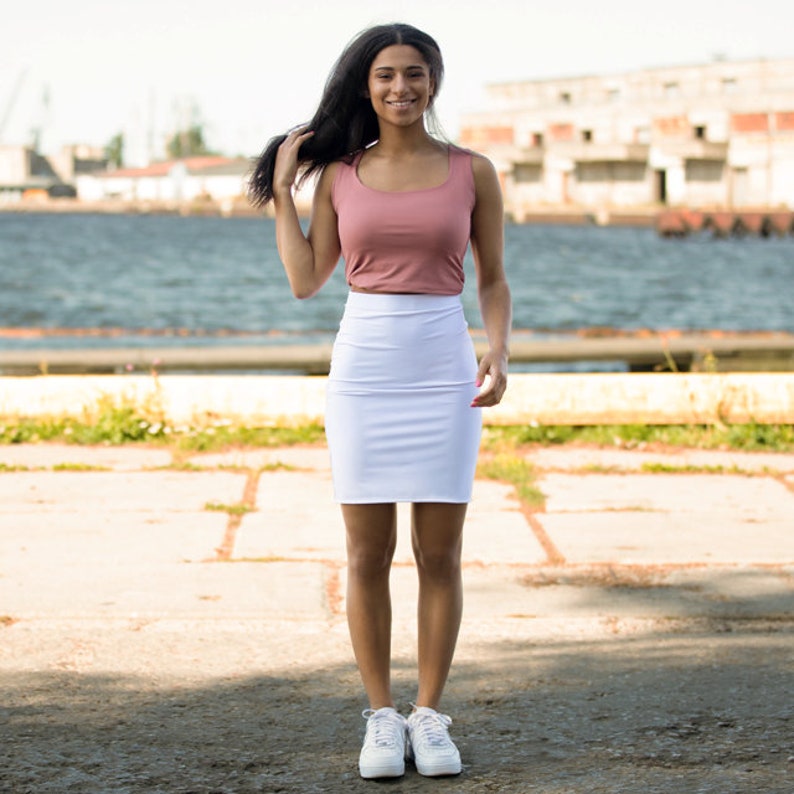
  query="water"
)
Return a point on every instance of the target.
[{"x": 214, "y": 275}]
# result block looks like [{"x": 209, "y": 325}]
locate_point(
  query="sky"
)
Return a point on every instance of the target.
[{"x": 80, "y": 71}]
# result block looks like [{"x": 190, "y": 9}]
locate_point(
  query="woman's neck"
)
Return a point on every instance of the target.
[{"x": 397, "y": 141}]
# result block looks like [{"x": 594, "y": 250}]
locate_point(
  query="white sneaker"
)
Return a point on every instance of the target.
[
  {"x": 383, "y": 753},
  {"x": 433, "y": 751}
]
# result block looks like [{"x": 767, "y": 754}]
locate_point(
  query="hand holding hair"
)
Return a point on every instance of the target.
[{"x": 286, "y": 166}]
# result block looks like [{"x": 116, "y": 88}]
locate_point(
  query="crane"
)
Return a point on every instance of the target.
[{"x": 12, "y": 101}]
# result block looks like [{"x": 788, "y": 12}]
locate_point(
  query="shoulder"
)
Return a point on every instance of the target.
[
  {"x": 486, "y": 178},
  {"x": 487, "y": 185},
  {"x": 328, "y": 178},
  {"x": 482, "y": 168},
  {"x": 341, "y": 168},
  {"x": 330, "y": 171}
]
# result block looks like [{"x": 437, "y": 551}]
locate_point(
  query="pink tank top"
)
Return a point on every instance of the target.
[{"x": 410, "y": 241}]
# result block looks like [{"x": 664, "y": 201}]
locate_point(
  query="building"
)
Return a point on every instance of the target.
[
  {"x": 719, "y": 135},
  {"x": 78, "y": 159},
  {"x": 24, "y": 172},
  {"x": 175, "y": 182}
]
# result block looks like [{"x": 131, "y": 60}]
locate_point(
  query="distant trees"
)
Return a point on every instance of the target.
[
  {"x": 114, "y": 150},
  {"x": 185, "y": 138},
  {"x": 187, "y": 143}
]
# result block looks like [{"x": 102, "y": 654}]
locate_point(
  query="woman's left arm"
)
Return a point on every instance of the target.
[{"x": 487, "y": 244}]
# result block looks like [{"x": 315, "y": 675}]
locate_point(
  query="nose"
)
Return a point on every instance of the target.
[{"x": 399, "y": 84}]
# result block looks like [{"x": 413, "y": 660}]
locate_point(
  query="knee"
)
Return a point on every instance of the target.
[
  {"x": 369, "y": 562},
  {"x": 438, "y": 564}
]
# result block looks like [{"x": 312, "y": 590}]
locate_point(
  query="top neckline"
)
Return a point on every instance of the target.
[{"x": 446, "y": 181}]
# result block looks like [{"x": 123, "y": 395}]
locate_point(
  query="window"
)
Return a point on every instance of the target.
[
  {"x": 700, "y": 132},
  {"x": 703, "y": 170},
  {"x": 537, "y": 139},
  {"x": 587, "y": 136},
  {"x": 565, "y": 97},
  {"x": 610, "y": 172},
  {"x": 527, "y": 172}
]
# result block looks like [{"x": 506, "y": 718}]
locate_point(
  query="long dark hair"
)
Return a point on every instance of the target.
[{"x": 345, "y": 122}]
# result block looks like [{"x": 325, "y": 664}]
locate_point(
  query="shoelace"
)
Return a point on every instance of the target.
[
  {"x": 384, "y": 728},
  {"x": 432, "y": 729}
]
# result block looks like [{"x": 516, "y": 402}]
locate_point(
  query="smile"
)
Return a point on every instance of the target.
[{"x": 403, "y": 103}]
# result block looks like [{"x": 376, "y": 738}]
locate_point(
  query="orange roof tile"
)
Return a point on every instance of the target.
[{"x": 163, "y": 168}]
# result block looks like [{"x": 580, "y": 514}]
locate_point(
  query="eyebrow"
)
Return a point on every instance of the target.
[{"x": 392, "y": 68}]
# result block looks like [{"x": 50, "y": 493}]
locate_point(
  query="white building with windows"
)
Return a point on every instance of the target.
[
  {"x": 719, "y": 135},
  {"x": 208, "y": 177}
]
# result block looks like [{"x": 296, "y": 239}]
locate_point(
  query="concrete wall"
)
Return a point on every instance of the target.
[{"x": 545, "y": 399}]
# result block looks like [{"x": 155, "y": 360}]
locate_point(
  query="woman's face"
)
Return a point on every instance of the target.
[{"x": 399, "y": 85}]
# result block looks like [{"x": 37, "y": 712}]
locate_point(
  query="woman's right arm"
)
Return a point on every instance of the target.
[{"x": 308, "y": 259}]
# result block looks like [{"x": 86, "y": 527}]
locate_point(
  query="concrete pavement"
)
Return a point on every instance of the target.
[{"x": 118, "y": 532}]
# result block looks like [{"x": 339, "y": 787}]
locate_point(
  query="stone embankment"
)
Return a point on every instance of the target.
[
  {"x": 725, "y": 223},
  {"x": 673, "y": 222}
]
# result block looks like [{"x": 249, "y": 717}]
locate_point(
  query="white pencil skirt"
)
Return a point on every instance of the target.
[{"x": 399, "y": 420}]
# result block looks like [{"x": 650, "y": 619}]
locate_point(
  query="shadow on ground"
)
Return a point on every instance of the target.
[{"x": 687, "y": 711}]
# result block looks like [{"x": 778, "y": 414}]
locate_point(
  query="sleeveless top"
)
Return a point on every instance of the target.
[{"x": 407, "y": 241}]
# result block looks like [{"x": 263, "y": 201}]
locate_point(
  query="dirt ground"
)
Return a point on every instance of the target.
[{"x": 235, "y": 708}]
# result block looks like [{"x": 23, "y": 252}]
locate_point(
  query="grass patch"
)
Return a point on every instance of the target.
[
  {"x": 516, "y": 471},
  {"x": 107, "y": 423},
  {"x": 278, "y": 466},
  {"x": 219, "y": 437},
  {"x": 114, "y": 423},
  {"x": 669, "y": 468},
  {"x": 600, "y": 468},
  {"x": 78, "y": 467},
  {"x": 747, "y": 437},
  {"x": 5, "y": 467},
  {"x": 238, "y": 509},
  {"x": 182, "y": 465}
]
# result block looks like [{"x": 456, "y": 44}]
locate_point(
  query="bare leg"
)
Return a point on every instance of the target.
[
  {"x": 371, "y": 539},
  {"x": 437, "y": 532}
]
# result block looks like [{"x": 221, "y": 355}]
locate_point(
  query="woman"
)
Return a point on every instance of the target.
[{"x": 404, "y": 395}]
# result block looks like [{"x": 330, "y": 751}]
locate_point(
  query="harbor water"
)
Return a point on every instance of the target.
[{"x": 199, "y": 279}]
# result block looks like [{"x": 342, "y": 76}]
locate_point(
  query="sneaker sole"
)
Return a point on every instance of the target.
[
  {"x": 374, "y": 772},
  {"x": 453, "y": 767},
  {"x": 438, "y": 770}
]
